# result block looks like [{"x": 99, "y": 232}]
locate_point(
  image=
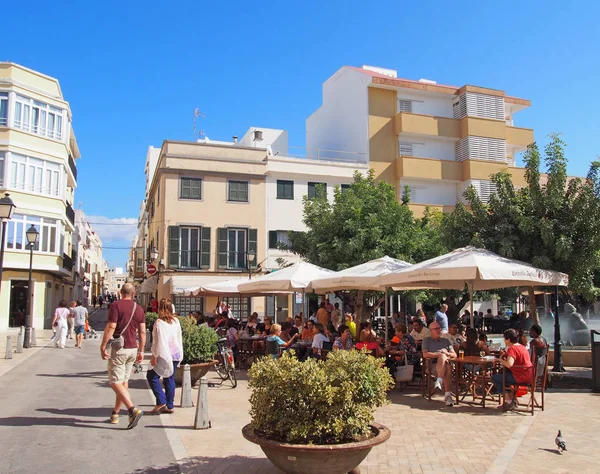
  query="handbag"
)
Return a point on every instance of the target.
[
  {"x": 117, "y": 343},
  {"x": 404, "y": 373}
]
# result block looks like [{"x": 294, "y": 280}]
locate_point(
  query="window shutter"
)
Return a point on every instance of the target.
[
  {"x": 404, "y": 105},
  {"x": 252, "y": 244},
  {"x": 222, "y": 247},
  {"x": 272, "y": 239},
  {"x": 173, "y": 246},
  {"x": 205, "y": 248}
]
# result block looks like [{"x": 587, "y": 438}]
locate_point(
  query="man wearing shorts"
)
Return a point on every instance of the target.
[
  {"x": 80, "y": 316},
  {"x": 125, "y": 318},
  {"x": 440, "y": 349}
]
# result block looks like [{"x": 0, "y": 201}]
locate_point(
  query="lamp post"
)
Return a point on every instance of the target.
[
  {"x": 6, "y": 211},
  {"x": 154, "y": 257},
  {"x": 558, "y": 360},
  {"x": 251, "y": 258},
  {"x": 32, "y": 237}
]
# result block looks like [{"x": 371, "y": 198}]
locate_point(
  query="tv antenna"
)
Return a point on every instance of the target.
[{"x": 197, "y": 114}]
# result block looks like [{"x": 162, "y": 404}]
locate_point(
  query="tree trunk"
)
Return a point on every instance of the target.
[
  {"x": 454, "y": 309},
  {"x": 359, "y": 308},
  {"x": 532, "y": 305}
]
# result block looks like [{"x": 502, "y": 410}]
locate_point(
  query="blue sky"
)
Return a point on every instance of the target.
[{"x": 134, "y": 72}]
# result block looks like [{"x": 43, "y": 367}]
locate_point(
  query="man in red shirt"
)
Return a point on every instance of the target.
[
  {"x": 518, "y": 362},
  {"x": 125, "y": 318}
]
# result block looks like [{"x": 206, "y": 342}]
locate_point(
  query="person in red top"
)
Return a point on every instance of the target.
[
  {"x": 125, "y": 318},
  {"x": 517, "y": 361}
]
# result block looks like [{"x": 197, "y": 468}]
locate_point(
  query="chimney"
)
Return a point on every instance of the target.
[{"x": 235, "y": 139}]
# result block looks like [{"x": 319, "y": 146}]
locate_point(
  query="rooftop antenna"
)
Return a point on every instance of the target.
[{"x": 197, "y": 114}]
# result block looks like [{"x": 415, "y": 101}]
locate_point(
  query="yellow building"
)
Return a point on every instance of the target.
[
  {"x": 205, "y": 213},
  {"x": 435, "y": 138},
  {"x": 38, "y": 150}
]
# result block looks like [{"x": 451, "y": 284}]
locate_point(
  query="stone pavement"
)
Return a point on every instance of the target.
[
  {"x": 54, "y": 408},
  {"x": 426, "y": 436}
]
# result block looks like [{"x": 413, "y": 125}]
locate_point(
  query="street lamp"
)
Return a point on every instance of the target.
[
  {"x": 6, "y": 211},
  {"x": 153, "y": 254},
  {"x": 251, "y": 257},
  {"x": 32, "y": 237}
]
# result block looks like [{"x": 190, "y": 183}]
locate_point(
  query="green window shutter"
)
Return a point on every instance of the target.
[
  {"x": 205, "y": 248},
  {"x": 252, "y": 244},
  {"x": 185, "y": 188},
  {"x": 272, "y": 239},
  {"x": 173, "y": 246},
  {"x": 222, "y": 247}
]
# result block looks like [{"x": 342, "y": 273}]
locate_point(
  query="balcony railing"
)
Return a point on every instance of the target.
[
  {"x": 70, "y": 214},
  {"x": 73, "y": 167},
  {"x": 67, "y": 262}
]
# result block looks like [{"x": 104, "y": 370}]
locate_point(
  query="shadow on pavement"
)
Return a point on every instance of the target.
[
  {"x": 418, "y": 402},
  {"x": 553, "y": 451},
  {"x": 91, "y": 412},
  {"x": 101, "y": 374},
  {"x": 15, "y": 421},
  {"x": 207, "y": 464}
]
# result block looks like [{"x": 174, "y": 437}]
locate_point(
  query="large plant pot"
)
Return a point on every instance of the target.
[
  {"x": 317, "y": 459},
  {"x": 197, "y": 371}
]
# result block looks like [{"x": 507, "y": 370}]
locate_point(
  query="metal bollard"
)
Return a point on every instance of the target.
[
  {"x": 20, "y": 342},
  {"x": 186, "y": 388},
  {"x": 148, "y": 346},
  {"x": 33, "y": 342},
  {"x": 202, "y": 422},
  {"x": 8, "y": 347}
]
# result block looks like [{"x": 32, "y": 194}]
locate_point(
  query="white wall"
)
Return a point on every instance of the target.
[
  {"x": 439, "y": 149},
  {"x": 270, "y": 137},
  {"x": 341, "y": 123},
  {"x": 430, "y": 192},
  {"x": 151, "y": 162},
  {"x": 428, "y": 104}
]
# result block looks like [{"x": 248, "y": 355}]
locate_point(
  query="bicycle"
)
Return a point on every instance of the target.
[{"x": 225, "y": 366}]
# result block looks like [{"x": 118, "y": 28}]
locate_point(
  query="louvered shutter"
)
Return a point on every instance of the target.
[
  {"x": 404, "y": 105},
  {"x": 406, "y": 148},
  {"x": 222, "y": 247},
  {"x": 253, "y": 245},
  {"x": 205, "y": 248},
  {"x": 173, "y": 246}
]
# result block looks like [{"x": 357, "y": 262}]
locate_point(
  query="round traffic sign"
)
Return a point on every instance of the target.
[{"x": 151, "y": 269}]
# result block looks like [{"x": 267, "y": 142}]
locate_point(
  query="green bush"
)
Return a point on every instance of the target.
[
  {"x": 150, "y": 320},
  {"x": 317, "y": 402},
  {"x": 199, "y": 342}
]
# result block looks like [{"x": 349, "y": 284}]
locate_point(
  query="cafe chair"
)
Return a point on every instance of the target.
[{"x": 538, "y": 382}]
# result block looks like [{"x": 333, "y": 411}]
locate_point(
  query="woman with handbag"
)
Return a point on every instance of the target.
[
  {"x": 167, "y": 352},
  {"x": 59, "y": 322}
]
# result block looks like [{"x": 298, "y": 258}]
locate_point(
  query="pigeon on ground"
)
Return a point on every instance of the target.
[{"x": 560, "y": 442}]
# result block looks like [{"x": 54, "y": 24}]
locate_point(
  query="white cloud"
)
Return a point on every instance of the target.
[{"x": 120, "y": 229}]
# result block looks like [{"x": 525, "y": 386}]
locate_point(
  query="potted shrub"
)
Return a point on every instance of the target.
[
  {"x": 199, "y": 348},
  {"x": 150, "y": 320},
  {"x": 317, "y": 416}
]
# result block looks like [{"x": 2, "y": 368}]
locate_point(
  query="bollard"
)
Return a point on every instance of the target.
[
  {"x": 148, "y": 346},
  {"x": 33, "y": 342},
  {"x": 20, "y": 342},
  {"x": 186, "y": 388},
  {"x": 202, "y": 422},
  {"x": 8, "y": 348}
]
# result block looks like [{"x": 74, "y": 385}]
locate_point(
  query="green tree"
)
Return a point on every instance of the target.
[{"x": 551, "y": 223}]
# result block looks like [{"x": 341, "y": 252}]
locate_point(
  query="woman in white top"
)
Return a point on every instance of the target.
[
  {"x": 59, "y": 322},
  {"x": 167, "y": 352}
]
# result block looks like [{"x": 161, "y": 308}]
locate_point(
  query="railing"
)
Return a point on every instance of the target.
[
  {"x": 70, "y": 213},
  {"x": 509, "y": 123},
  {"x": 67, "y": 262},
  {"x": 317, "y": 154},
  {"x": 73, "y": 167}
]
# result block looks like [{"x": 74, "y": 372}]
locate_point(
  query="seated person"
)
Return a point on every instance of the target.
[
  {"x": 366, "y": 330},
  {"x": 370, "y": 343},
  {"x": 473, "y": 345},
  {"x": 538, "y": 347},
  {"x": 252, "y": 325},
  {"x": 351, "y": 324},
  {"x": 309, "y": 333},
  {"x": 274, "y": 341},
  {"x": 419, "y": 331},
  {"x": 520, "y": 369},
  {"x": 286, "y": 328},
  {"x": 344, "y": 340},
  {"x": 318, "y": 340},
  {"x": 453, "y": 336},
  {"x": 436, "y": 347},
  {"x": 298, "y": 326},
  {"x": 402, "y": 344},
  {"x": 266, "y": 326}
]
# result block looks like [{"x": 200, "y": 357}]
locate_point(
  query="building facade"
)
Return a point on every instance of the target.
[
  {"x": 212, "y": 204},
  {"x": 38, "y": 151},
  {"x": 89, "y": 265},
  {"x": 434, "y": 138}
]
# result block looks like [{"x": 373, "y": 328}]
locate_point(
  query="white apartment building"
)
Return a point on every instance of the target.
[
  {"x": 38, "y": 151},
  {"x": 435, "y": 138},
  {"x": 114, "y": 279},
  {"x": 89, "y": 265}
]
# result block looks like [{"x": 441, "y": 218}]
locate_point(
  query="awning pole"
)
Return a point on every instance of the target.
[
  {"x": 471, "y": 298},
  {"x": 387, "y": 304}
]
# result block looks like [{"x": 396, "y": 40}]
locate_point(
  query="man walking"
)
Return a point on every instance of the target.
[
  {"x": 80, "y": 316},
  {"x": 442, "y": 319},
  {"x": 125, "y": 318}
]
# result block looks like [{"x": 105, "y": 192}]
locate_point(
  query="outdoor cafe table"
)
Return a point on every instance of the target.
[
  {"x": 473, "y": 381},
  {"x": 250, "y": 347}
]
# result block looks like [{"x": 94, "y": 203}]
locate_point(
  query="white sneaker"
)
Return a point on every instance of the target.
[
  {"x": 449, "y": 401},
  {"x": 438, "y": 385}
]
